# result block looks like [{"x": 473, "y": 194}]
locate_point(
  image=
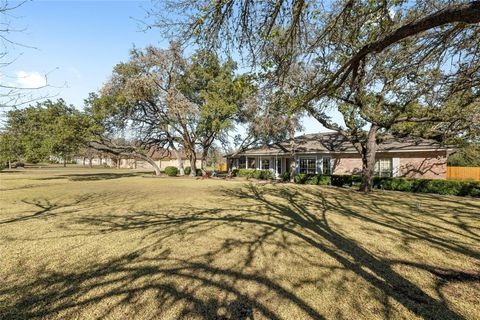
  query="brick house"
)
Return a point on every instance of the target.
[{"x": 331, "y": 153}]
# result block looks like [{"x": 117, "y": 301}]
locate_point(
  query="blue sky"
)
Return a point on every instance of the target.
[{"x": 77, "y": 43}]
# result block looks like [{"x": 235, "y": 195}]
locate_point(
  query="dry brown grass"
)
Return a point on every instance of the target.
[{"x": 113, "y": 244}]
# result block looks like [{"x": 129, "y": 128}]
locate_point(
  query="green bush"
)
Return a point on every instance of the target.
[
  {"x": 286, "y": 176},
  {"x": 234, "y": 173},
  {"x": 315, "y": 179},
  {"x": 188, "y": 170},
  {"x": 256, "y": 174},
  {"x": 345, "y": 180},
  {"x": 171, "y": 171},
  {"x": 445, "y": 187}
]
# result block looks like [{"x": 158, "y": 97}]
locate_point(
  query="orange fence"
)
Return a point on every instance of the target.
[
  {"x": 463, "y": 173},
  {"x": 222, "y": 167}
]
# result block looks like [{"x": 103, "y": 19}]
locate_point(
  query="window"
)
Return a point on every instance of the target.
[
  {"x": 279, "y": 166},
  {"x": 265, "y": 164},
  {"x": 327, "y": 167},
  {"x": 242, "y": 162},
  {"x": 383, "y": 168},
  {"x": 307, "y": 165}
]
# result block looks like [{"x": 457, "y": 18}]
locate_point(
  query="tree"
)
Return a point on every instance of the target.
[
  {"x": 344, "y": 57},
  {"x": 468, "y": 156},
  {"x": 48, "y": 129},
  {"x": 166, "y": 102}
]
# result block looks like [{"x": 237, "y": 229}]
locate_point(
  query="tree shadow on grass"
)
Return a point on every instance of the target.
[
  {"x": 95, "y": 176},
  {"x": 48, "y": 208},
  {"x": 291, "y": 220}
]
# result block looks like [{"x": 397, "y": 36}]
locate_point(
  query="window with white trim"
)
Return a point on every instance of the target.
[
  {"x": 307, "y": 165},
  {"x": 326, "y": 166},
  {"x": 383, "y": 167},
  {"x": 265, "y": 164}
]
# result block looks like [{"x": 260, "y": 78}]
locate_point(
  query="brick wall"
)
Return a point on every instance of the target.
[{"x": 427, "y": 165}]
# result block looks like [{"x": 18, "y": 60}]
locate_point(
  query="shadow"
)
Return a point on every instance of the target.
[
  {"x": 46, "y": 208},
  {"x": 94, "y": 176},
  {"x": 234, "y": 273}
]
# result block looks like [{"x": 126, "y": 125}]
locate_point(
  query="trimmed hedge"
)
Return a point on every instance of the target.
[
  {"x": 187, "y": 171},
  {"x": 315, "y": 179},
  {"x": 171, "y": 171},
  {"x": 446, "y": 187},
  {"x": 346, "y": 180},
  {"x": 256, "y": 174}
]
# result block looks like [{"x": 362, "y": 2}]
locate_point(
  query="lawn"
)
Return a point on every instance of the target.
[{"x": 99, "y": 243}]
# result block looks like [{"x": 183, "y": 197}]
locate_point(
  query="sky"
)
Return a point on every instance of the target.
[{"x": 76, "y": 44}]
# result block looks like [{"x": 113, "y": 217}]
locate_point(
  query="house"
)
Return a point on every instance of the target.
[
  {"x": 330, "y": 153},
  {"x": 162, "y": 157}
]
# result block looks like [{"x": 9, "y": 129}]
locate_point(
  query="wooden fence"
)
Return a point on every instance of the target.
[
  {"x": 221, "y": 167},
  {"x": 463, "y": 173}
]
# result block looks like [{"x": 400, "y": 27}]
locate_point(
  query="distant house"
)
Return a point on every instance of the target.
[
  {"x": 162, "y": 158},
  {"x": 331, "y": 153}
]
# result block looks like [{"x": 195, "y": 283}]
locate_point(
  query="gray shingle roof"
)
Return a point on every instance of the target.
[{"x": 332, "y": 142}]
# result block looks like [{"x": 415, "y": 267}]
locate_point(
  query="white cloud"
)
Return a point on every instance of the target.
[{"x": 31, "y": 79}]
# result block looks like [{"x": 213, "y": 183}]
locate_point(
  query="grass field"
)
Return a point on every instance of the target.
[{"x": 91, "y": 243}]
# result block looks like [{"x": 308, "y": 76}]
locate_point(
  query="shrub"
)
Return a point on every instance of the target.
[
  {"x": 286, "y": 176},
  {"x": 300, "y": 178},
  {"x": 234, "y": 172},
  {"x": 247, "y": 173},
  {"x": 445, "y": 187},
  {"x": 315, "y": 179},
  {"x": 171, "y": 171},
  {"x": 188, "y": 170},
  {"x": 341, "y": 180},
  {"x": 253, "y": 173}
]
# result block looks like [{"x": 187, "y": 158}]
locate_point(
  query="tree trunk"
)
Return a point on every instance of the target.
[
  {"x": 193, "y": 164},
  {"x": 64, "y": 162},
  {"x": 9, "y": 164},
  {"x": 118, "y": 163},
  {"x": 203, "y": 163},
  {"x": 84, "y": 161},
  {"x": 90, "y": 164},
  {"x": 156, "y": 168},
  {"x": 181, "y": 169},
  {"x": 369, "y": 150}
]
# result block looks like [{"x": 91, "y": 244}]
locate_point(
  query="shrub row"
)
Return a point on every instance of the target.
[
  {"x": 256, "y": 174},
  {"x": 334, "y": 180},
  {"x": 315, "y": 179},
  {"x": 446, "y": 187}
]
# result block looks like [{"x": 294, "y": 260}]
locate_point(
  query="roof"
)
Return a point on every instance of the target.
[{"x": 333, "y": 142}]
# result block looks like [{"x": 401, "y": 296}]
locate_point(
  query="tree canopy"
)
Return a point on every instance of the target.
[
  {"x": 47, "y": 130},
  {"x": 161, "y": 100},
  {"x": 388, "y": 67}
]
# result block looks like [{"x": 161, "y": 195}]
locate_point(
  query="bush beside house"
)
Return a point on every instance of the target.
[{"x": 255, "y": 174}]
